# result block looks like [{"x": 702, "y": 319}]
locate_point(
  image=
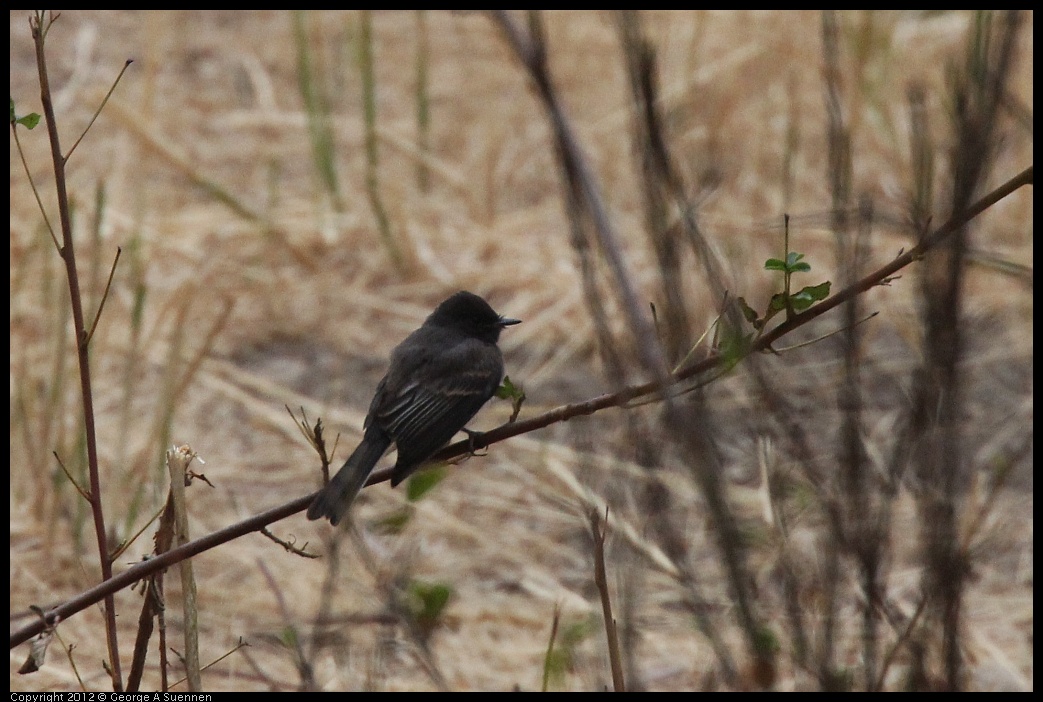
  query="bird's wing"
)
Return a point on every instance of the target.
[{"x": 426, "y": 411}]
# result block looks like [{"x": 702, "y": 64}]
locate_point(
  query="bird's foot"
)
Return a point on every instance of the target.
[{"x": 472, "y": 437}]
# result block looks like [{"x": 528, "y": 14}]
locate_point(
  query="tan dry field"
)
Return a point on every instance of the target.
[{"x": 246, "y": 284}]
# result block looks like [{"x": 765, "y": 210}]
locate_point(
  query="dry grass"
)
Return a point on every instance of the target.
[{"x": 248, "y": 282}]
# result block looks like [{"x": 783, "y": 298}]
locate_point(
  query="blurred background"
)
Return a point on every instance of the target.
[{"x": 293, "y": 192}]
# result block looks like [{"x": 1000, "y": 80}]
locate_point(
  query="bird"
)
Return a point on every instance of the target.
[{"x": 437, "y": 380}]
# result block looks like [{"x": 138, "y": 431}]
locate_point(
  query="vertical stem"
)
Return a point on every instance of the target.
[
  {"x": 40, "y": 27},
  {"x": 178, "y": 460}
]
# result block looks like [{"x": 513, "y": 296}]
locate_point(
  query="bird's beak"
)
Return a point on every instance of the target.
[{"x": 507, "y": 321}]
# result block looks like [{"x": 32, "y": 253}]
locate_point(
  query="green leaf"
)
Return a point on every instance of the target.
[
  {"x": 563, "y": 657},
  {"x": 577, "y": 632},
  {"x": 422, "y": 482},
  {"x": 288, "y": 636},
  {"x": 766, "y": 642},
  {"x": 777, "y": 304},
  {"x": 509, "y": 391},
  {"x": 427, "y": 603},
  {"x": 820, "y": 291},
  {"x": 555, "y": 665},
  {"x": 29, "y": 121},
  {"x": 792, "y": 264},
  {"x": 808, "y": 296},
  {"x": 395, "y": 522},
  {"x": 733, "y": 345},
  {"x": 514, "y": 393},
  {"x": 748, "y": 312}
]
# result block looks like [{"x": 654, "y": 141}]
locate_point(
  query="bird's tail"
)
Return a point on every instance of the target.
[{"x": 334, "y": 500}]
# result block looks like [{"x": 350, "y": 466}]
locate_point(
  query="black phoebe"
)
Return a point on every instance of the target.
[{"x": 438, "y": 379}]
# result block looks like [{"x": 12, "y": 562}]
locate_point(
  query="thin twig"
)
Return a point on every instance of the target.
[
  {"x": 598, "y": 530},
  {"x": 105, "y": 295},
  {"x": 555, "y": 621},
  {"x": 100, "y": 108}
]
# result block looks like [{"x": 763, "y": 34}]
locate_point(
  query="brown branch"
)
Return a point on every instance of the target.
[
  {"x": 598, "y": 530},
  {"x": 153, "y": 565},
  {"x": 39, "y": 26},
  {"x": 524, "y": 426},
  {"x": 532, "y": 52}
]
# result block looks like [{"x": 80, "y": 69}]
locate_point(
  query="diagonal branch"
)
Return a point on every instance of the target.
[{"x": 563, "y": 413}]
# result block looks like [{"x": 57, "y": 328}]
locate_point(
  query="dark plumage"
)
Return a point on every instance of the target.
[{"x": 437, "y": 380}]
